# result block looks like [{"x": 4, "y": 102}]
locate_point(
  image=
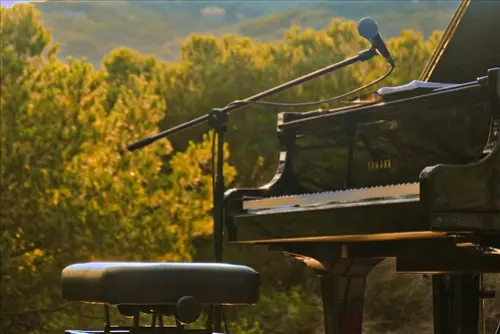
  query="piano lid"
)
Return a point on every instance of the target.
[{"x": 469, "y": 46}]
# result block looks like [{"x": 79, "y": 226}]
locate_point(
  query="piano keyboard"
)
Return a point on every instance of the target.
[{"x": 408, "y": 190}]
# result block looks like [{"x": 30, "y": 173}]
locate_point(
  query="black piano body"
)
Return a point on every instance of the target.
[
  {"x": 418, "y": 165},
  {"x": 415, "y": 176}
]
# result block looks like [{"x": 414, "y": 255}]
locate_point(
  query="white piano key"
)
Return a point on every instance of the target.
[{"x": 341, "y": 196}]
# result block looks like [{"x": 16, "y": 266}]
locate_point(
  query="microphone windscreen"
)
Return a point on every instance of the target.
[{"x": 367, "y": 28}]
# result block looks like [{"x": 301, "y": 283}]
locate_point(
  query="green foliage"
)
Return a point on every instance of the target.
[
  {"x": 23, "y": 37},
  {"x": 291, "y": 311},
  {"x": 244, "y": 328},
  {"x": 71, "y": 192}
]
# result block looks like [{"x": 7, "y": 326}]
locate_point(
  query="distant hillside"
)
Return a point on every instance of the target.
[{"x": 92, "y": 29}]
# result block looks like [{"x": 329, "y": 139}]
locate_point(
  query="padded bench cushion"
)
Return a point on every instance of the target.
[{"x": 137, "y": 283}]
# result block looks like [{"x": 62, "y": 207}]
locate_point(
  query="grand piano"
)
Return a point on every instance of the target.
[{"x": 412, "y": 173}]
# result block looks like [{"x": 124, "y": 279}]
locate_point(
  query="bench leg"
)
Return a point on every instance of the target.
[
  {"x": 343, "y": 291},
  {"x": 456, "y": 301}
]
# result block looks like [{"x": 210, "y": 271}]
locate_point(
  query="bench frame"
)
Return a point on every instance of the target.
[{"x": 156, "y": 326}]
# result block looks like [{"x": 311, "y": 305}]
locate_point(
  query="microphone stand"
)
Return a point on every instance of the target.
[{"x": 217, "y": 119}]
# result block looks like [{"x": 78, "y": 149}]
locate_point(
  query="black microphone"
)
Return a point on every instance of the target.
[{"x": 368, "y": 28}]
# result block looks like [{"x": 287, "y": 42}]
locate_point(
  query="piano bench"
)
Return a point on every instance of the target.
[{"x": 160, "y": 284}]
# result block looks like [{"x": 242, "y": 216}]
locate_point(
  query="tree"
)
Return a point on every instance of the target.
[{"x": 70, "y": 190}]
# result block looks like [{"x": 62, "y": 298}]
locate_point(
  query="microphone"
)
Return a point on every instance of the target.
[{"x": 368, "y": 28}]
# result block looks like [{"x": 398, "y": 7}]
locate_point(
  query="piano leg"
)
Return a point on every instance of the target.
[
  {"x": 456, "y": 301},
  {"x": 343, "y": 291}
]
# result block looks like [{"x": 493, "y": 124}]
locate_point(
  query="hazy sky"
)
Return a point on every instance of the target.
[{"x": 9, "y": 3}]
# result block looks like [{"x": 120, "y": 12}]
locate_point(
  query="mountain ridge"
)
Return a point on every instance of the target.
[{"x": 93, "y": 29}]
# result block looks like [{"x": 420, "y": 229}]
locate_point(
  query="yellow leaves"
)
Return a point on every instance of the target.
[
  {"x": 32, "y": 260},
  {"x": 22, "y": 31},
  {"x": 199, "y": 48},
  {"x": 203, "y": 227},
  {"x": 173, "y": 257},
  {"x": 30, "y": 257},
  {"x": 55, "y": 199}
]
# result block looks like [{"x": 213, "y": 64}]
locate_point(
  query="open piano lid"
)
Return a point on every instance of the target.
[{"x": 469, "y": 46}]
